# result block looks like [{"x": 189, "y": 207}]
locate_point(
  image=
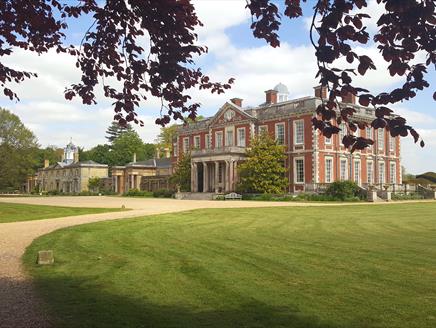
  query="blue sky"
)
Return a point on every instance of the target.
[{"x": 233, "y": 52}]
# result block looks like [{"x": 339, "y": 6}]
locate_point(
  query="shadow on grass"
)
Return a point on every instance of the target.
[{"x": 75, "y": 303}]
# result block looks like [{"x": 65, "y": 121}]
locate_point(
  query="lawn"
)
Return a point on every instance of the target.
[
  {"x": 312, "y": 267},
  {"x": 21, "y": 212}
]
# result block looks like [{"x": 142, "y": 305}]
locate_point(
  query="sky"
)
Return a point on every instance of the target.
[{"x": 233, "y": 52}]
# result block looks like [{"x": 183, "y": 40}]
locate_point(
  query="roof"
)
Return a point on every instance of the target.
[{"x": 152, "y": 163}]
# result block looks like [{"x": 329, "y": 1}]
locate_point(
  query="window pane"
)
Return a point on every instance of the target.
[
  {"x": 280, "y": 134},
  {"x": 299, "y": 132}
]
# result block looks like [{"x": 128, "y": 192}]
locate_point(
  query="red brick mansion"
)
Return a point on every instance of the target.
[{"x": 217, "y": 145}]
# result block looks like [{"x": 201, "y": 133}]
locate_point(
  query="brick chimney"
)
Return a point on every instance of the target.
[
  {"x": 46, "y": 163},
  {"x": 271, "y": 97},
  {"x": 237, "y": 101},
  {"x": 349, "y": 98},
  {"x": 321, "y": 91},
  {"x": 134, "y": 157}
]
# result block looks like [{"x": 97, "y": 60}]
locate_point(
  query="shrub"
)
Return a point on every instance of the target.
[
  {"x": 163, "y": 193},
  {"x": 138, "y": 193},
  {"x": 343, "y": 190},
  {"x": 412, "y": 196}
]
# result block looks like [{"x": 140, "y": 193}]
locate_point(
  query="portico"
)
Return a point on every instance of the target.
[{"x": 216, "y": 171}]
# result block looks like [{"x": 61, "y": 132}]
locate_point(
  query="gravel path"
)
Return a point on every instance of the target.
[{"x": 18, "y": 301}]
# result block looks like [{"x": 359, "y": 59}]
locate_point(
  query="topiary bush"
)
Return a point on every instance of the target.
[
  {"x": 163, "y": 193},
  {"x": 138, "y": 193},
  {"x": 343, "y": 190}
]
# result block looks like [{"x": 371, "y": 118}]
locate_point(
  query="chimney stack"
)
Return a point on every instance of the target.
[
  {"x": 46, "y": 163},
  {"x": 349, "y": 98},
  {"x": 157, "y": 152},
  {"x": 321, "y": 91},
  {"x": 237, "y": 101},
  {"x": 271, "y": 97},
  {"x": 167, "y": 153},
  {"x": 134, "y": 157}
]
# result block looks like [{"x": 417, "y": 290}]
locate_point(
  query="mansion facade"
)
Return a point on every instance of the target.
[{"x": 218, "y": 145}]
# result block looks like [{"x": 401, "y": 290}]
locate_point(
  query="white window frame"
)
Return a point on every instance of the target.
[
  {"x": 227, "y": 139},
  {"x": 341, "y": 134},
  {"x": 392, "y": 177},
  {"x": 343, "y": 174},
  {"x": 328, "y": 174},
  {"x": 328, "y": 141},
  {"x": 241, "y": 142},
  {"x": 197, "y": 142},
  {"x": 207, "y": 142},
  {"x": 381, "y": 172},
  {"x": 381, "y": 138},
  {"x": 277, "y": 133},
  {"x": 369, "y": 177},
  {"x": 185, "y": 144},
  {"x": 391, "y": 143},
  {"x": 298, "y": 139},
  {"x": 296, "y": 180},
  {"x": 357, "y": 174},
  {"x": 217, "y": 144},
  {"x": 175, "y": 149}
]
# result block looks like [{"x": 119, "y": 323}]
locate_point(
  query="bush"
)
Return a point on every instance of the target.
[
  {"x": 163, "y": 193},
  {"x": 412, "y": 196},
  {"x": 343, "y": 190},
  {"x": 138, "y": 193}
]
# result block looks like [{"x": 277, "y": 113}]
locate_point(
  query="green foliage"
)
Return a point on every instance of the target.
[
  {"x": 52, "y": 153},
  {"x": 182, "y": 174},
  {"x": 18, "y": 149},
  {"x": 138, "y": 193},
  {"x": 343, "y": 190},
  {"x": 263, "y": 171},
  {"x": 163, "y": 193},
  {"x": 125, "y": 146},
  {"x": 101, "y": 154},
  {"x": 94, "y": 184},
  {"x": 166, "y": 137},
  {"x": 302, "y": 197},
  {"x": 115, "y": 130},
  {"x": 402, "y": 196}
]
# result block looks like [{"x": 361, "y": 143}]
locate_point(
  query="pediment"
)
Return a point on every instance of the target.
[{"x": 230, "y": 113}]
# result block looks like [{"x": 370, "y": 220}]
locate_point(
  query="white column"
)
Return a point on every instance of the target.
[
  {"x": 216, "y": 176},
  {"x": 192, "y": 177},
  {"x": 235, "y": 174},
  {"x": 205, "y": 177},
  {"x": 138, "y": 182},
  {"x": 116, "y": 183},
  {"x": 231, "y": 176},
  {"x": 227, "y": 177}
]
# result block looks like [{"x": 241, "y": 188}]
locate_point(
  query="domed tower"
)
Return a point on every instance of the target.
[
  {"x": 71, "y": 153},
  {"x": 282, "y": 92}
]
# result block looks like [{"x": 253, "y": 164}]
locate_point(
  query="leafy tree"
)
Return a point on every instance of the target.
[
  {"x": 18, "y": 147},
  {"x": 166, "y": 137},
  {"x": 116, "y": 129},
  {"x": 182, "y": 174},
  {"x": 52, "y": 153},
  {"x": 263, "y": 171},
  {"x": 125, "y": 146},
  {"x": 94, "y": 184},
  {"x": 101, "y": 154},
  {"x": 113, "y": 48},
  {"x": 149, "y": 150}
]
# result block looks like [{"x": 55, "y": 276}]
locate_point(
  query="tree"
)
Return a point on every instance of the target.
[
  {"x": 51, "y": 153},
  {"x": 115, "y": 130},
  {"x": 125, "y": 146},
  {"x": 101, "y": 154},
  {"x": 112, "y": 50},
  {"x": 182, "y": 174},
  {"x": 18, "y": 146},
  {"x": 264, "y": 170},
  {"x": 166, "y": 137},
  {"x": 94, "y": 184}
]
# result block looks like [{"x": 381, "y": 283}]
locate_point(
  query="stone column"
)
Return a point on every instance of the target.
[
  {"x": 195, "y": 178},
  {"x": 216, "y": 176},
  {"x": 116, "y": 183},
  {"x": 235, "y": 174},
  {"x": 192, "y": 177},
  {"x": 138, "y": 182},
  {"x": 231, "y": 176},
  {"x": 227, "y": 177},
  {"x": 205, "y": 177}
]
